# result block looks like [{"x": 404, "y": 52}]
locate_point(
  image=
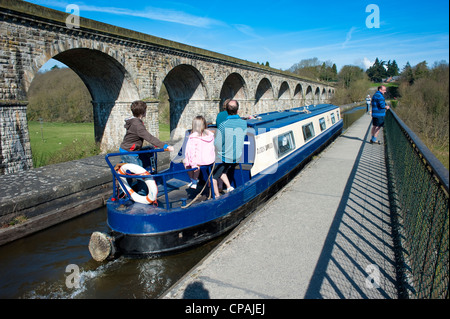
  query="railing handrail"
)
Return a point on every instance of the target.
[
  {"x": 157, "y": 174},
  {"x": 436, "y": 166},
  {"x": 163, "y": 175}
]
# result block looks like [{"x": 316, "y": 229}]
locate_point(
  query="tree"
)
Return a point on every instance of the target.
[
  {"x": 327, "y": 73},
  {"x": 315, "y": 69},
  {"x": 421, "y": 70},
  {"x": 407, "y": 73},
  {"x": 334, "y": 72},
  {"x": 424, "y": 105},
  {"x": 412, "y": 74},
  {"x": 349, "y": 74},
  {"x": 392, "y": 68},
  {"x": 59, "y": 95},
  {"x": 353, "y": 85},
  {"x": 377, "y": 71},
  {"x": 309, "y": 68}
]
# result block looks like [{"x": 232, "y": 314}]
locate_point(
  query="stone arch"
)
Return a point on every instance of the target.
[
  {"x": 323, "y": 95},
  {"x": 234, "y": 87},
  {"x": 284, "y": 96},
  {"x": 308, "y": 95},
  {"x": 285, "y": 92},
  {"x": 298, "y": 94},
  {"x": 187, "y": 95},
  {"x": 317, "y": 96},
  {"x": 263, "y": 94},
  {"x": 105, "y": 78},
  {"x": 111, "y": 87}
]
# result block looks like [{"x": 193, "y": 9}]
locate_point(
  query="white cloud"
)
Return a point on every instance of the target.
[
  {"x": 247, "y": 30},
  {"x": 348, "y": 37},
  {"x": 363, "y": 63},
  {"x": 151, "y": 13},
  {"x": 159, "y": 14},
  {"x": 367, "y": 63}
]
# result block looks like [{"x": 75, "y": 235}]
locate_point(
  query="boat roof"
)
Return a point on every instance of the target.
[{"x": 277, "y": 119}]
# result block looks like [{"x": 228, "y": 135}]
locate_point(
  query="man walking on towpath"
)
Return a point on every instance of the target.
[{"x": 379, "y": 108}]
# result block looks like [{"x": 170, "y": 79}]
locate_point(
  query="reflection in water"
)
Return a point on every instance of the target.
[{"x": 35, "y": 266}]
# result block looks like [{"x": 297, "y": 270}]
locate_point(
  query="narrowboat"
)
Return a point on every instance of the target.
[{"x": 170, "y": 216}]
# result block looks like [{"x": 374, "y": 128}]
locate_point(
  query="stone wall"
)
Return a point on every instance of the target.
[{"x": 15, "y": 151}]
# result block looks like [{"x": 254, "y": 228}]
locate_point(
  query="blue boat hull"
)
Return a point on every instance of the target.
[{"x": 142, "y": 230}]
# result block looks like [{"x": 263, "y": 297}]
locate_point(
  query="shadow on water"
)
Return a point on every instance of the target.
[{"x": 35, "y": 266}]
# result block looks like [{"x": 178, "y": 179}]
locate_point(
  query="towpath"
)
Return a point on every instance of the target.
[{"x": 327, "y": 234}]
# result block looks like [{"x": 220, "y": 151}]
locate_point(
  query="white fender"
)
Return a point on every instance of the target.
[{"x": 133, "y": 169}]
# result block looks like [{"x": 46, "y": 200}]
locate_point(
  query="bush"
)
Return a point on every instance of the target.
[
  {"x": 356, "y": 92},
  {"x": 424, "y": 107},
  {"x": 59, "y": 95}
]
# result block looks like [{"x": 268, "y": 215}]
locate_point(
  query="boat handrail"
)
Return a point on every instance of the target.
[
  {"x": 163, "y": 175},
  {"x": 292, "y": 113}
]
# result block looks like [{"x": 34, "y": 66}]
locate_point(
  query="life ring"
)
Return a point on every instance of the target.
[{"x": 133, "y": 169}]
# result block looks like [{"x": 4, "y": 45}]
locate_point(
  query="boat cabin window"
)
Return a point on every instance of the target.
[
  {"x": 284, "y": 143},
  {"x": 333, "y": 120},
  {"x": 337, "y": 113},
  {"x": 308, "y": 131},
  {"x": 323, "y": 126}
]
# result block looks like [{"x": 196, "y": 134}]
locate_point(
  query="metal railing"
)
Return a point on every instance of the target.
[
  {"x": 165, "y": 176},
  {"x": 161, "y": 178},
  {"x": 419, "y": 193}
]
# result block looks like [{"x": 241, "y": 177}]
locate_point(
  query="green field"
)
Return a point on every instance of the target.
[
  {"x": 60, "y": 142},
  {"x": 392, "y": 84},
  {"x": 54, "y": 142},
  {"x": 164, "y": 132}
]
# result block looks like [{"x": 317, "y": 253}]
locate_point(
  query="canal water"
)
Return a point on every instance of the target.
[{"x": 55, "y": 263}]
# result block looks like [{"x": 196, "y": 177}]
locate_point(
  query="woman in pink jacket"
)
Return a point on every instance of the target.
[{"x": 199, "y": 149}]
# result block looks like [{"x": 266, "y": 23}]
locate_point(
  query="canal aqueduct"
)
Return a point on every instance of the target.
[{"x": 119, "y": 66}]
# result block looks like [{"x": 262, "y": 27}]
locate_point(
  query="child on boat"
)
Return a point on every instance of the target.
[
  {"x": 137, "y": 133},
  {"x": 200, "y": 149}
]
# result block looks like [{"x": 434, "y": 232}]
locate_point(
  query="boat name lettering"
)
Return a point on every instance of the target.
[{"x": 264, "y": 148}]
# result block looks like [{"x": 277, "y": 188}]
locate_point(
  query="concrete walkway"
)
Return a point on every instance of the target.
[{"x": 327, "y": 234}]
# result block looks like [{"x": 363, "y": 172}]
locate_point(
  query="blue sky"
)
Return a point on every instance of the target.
[{"x": 286, "y": 32}]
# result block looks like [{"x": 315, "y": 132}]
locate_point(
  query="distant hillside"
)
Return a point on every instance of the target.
[{"x": 59, "y": 95}]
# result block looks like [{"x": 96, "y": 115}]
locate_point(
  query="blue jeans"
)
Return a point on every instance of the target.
[
  {"x": 128, "y": 158},
  {"x": 136, "y": 184}
]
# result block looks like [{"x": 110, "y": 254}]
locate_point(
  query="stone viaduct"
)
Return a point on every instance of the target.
[{"x": 119, "y": 66}]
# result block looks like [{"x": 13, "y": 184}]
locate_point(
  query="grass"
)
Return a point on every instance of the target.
[
  {"x": 164, "y": 132},
  {"x": 393, "y": 84},
  {"x": 61, "y": 142},
  {"x": 54, "y": 142}
]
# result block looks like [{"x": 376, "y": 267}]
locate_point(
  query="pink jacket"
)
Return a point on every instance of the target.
[{"x": 200, "y": 149}]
